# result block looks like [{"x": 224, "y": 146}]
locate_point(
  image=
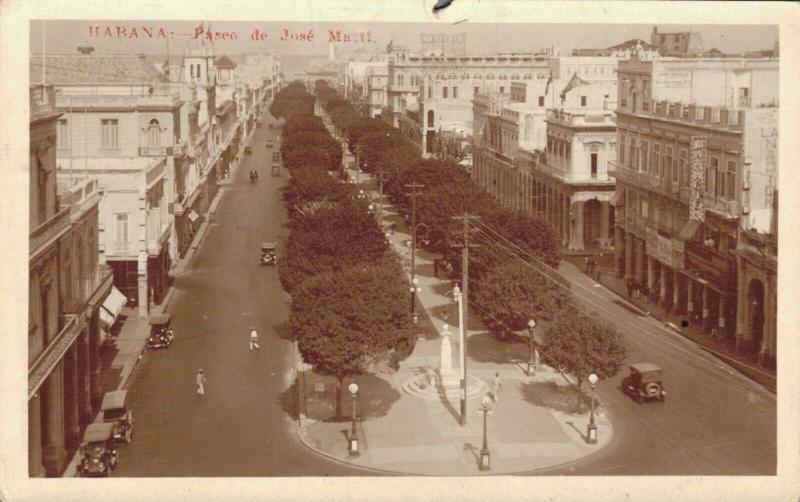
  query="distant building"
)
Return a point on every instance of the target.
[
  {"x": 625, "y": 50},
  {"x": 682, "y": 43},
  {"x": 432, "y": 92},
  {"x": 697, "y": 156},
  {"x": 545, "y": 151}
]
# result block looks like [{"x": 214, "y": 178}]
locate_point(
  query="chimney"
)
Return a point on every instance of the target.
[{"x": 85, "y": 49}]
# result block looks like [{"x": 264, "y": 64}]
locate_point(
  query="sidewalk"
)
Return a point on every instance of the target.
[
  {"x": 532, "y": 425},
  {"x": 128, "y": 347},
  {"x": 722, "y": 347}
]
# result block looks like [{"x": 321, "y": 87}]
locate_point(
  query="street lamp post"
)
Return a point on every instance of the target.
[
  {"x": 531, "y": 349},
  {"x": 352, "y": 448},
  {"x": 485, "y": 455},
  {"x": 591, "y": 430},
  {"x": 414, "y": 290}
]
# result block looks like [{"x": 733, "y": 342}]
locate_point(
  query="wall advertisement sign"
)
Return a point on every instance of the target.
[
  {"x": 665, "y": 250},
  {"x": 697, "y": 179}
]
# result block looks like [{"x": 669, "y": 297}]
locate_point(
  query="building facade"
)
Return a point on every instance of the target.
[
  {"x": 67, "y": 289},
  {"x": 551, "y": 162},
  {"x": 689, "y": 140}
]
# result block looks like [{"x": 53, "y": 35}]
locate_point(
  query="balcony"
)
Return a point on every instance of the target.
[
  {"x": 728, "y": 209},
  {"x": 156, "y": 151},
  {"x": 48, "y": 232},
  {"x": 100, "y": 101},
  {"x": 121, "y": 248},
  {"x": 43, "y": 365}
]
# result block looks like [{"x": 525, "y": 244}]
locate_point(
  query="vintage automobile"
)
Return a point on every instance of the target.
[
  {"x": 98, "y": 453},
  {"x": 276, "y": 156},
  {"x": 276, "y": 169},
  {"x": 644, "y": 383},
  {"x": 114, "y": 410},
  {"x": 161, "y": 334},
  {"x": 268, "y": 253},
  {"x": 270, "y": 144}
]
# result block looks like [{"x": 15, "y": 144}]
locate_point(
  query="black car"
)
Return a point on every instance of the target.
[
  {"x": 99, "y": 455},
  {"x": 644, "y": 383}
]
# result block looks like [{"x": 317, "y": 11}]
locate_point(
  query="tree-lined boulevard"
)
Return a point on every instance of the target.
[{"x": 338, "y": 299}]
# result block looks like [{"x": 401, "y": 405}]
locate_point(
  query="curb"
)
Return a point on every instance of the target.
[{"x": 339, "y": 460}]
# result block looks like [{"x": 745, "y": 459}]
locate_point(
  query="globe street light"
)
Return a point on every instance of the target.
[
  {"x": 414, "y": 290},
  {"x": 531, "y": 349},
  {"x": 485, "y": 455},
  {"x": 591, "y": 430},
  {"x": 353, "y": 444}
]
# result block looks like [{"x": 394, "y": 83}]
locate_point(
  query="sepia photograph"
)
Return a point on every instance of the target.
[{"x": 348, "y": 247}]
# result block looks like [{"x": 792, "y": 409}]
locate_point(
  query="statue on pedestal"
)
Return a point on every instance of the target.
[{"x": 448, "y": 377}]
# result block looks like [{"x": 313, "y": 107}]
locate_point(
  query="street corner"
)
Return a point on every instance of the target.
[
  {"x": 577, "y": 426},
  {"x": 335, "y": 439}
]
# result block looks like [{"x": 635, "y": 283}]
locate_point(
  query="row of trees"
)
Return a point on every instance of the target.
[
  {"x": 349, "y": 294},
  {"x": 512, "y": 276}
]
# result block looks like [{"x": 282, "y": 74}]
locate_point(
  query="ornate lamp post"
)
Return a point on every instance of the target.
[
  {"x": 485, "y": 455},
  {"x": 591, "y": 430},
  {"x": 531, "y": 349},
  {"x": 414, "y": 290},
  {"x": 352, "y": 448}
]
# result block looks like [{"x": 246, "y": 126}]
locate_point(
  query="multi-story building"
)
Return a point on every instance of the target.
[
  {"x": 691, "y": 136},
  {"x": 441, "y": 88},
  {"x": 66, "y": 292},
  {"x": 682, "y": 43},
  {"x": 377, "y": 78},
  {"x": 561, "y": 177},
  {"x": 625, "y": 50}
]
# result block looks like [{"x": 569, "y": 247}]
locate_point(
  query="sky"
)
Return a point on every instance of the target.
[{"x": 66, "y": 36}]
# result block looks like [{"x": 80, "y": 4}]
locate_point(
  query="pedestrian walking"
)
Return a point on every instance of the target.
[
  {"x": 254, "y": 339},
  {"x": 629, "y": 286},
  {"x": 201, "y": 382},
  {"x": 497, "y": 383}
]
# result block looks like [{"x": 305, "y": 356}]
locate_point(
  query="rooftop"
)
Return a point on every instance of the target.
[{"x": 94, "y": 68}]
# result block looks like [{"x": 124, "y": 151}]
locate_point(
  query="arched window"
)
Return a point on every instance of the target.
[
  {"x": 502, "y": 76},
  {"x": 515, "y": 77},
  {"x": 527, "y": 76},
  {"x": 400, "y": 79},
  {"x": 153, "y": 134},
  {"x": 490, "y": 76},
  {"x": 430, "y": 118}
]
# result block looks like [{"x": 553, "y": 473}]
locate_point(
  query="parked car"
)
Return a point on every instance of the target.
[
  {"x": 161, "y": 334},
  {"x": 644, "y": 383},
  {"x": 114, "y": 410},
  {"x": 98, "y": 453}
]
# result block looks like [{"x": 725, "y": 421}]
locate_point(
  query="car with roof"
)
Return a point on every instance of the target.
[
  {"x": 644, "y": 383},
  {"x": 115, "y": 410},
  {"x": 98, "y": 452}
]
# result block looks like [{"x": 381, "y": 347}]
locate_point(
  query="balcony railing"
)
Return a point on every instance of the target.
[
  {"x": 48, "y": 232},
  {"x": 121, "y": 247},
  {"x": 52, "y": 354},
  {"x": 155, "y": 151},
  {"x": 727, "y": 208}
]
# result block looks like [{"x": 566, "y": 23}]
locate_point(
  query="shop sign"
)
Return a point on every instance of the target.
[
  {"x": 697, "y": 179},
  {"x": 667, "y": 251},
  {"x": 709, "y": 264},
  {"x": 193, "y": 216}
]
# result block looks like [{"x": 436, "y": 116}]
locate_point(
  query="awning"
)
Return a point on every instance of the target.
[
  {"x": 688, "y": 230},
  {"x": 617, "y": 200},
  {"x": 112, "y": 306}
]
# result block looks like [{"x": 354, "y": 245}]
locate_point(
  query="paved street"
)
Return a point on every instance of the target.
[
  {"x": 240, "y": 427},
  {"x": 714, "y": 420}
]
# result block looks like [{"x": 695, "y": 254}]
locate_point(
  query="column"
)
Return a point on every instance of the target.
[
  {"x": 705, "y": 306},
  {"x": 662, "y": 293},
  {"x": 618, "y": 245},
  {"x": 689, "y": 298},
  {"x": 95, "y": 391},
  {"x": 604, "y": 224},
  {"x": 84, "y": 377},
  {"x": 741, "y": 302},
  {"x": 72, "y": 428},
  {"x": 721, "y": 313},
  {"x": 650, "y": 273},
  {"x": 144, "y": 294},
  {"x": 628, "y": 255},
  {"x": 565, "y": 218},
  {"x": 672, "y": 275},
  {"x": 640, "y": 260},
  {"x": 35, "y": 469},
  {"x": 53, "y": 453},
  {"x": 576, "y": 230},
  {"x": 676, "y": 292}
]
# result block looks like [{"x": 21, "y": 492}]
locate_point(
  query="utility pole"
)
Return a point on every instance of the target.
[
  {"x": 414, "y": 194},
  {"x": 464, "y": 302}
]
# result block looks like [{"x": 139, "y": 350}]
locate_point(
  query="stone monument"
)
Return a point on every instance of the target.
[{"x": 447, "y": 375}]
